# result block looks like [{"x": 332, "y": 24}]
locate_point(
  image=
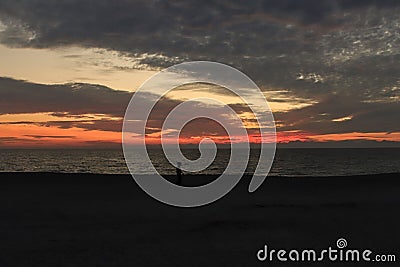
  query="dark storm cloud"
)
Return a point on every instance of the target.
[
  {"x": 348, "y": 4},
  {"x": 81, "y": 105},
  {"x": 365, "y": 117},
  {"x": 270, "y": 40},
  {"x": 111, "y": 125},
  {"x": 174, "y": 28},
  {"x": 4, "y": 141},
  {"x": 73, "y": 99},
  {"x": 84, "y": 103},
  {"x": 102, "y": 125},
  {"x": 78, "y": 101},
  {"x": 50, "y": 136}
]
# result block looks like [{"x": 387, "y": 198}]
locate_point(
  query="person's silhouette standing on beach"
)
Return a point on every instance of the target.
[{"x": 178, "y": 173}]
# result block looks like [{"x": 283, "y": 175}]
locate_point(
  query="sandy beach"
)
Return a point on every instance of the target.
[{"x": 107, "y": 220}]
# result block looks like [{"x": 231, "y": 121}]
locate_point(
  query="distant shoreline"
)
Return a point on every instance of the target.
[{"x": 22, "y": 173}]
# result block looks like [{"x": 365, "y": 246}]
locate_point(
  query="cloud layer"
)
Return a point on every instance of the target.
[{"x": 340, "y": 55}]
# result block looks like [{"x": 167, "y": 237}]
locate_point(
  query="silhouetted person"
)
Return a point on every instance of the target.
[{"x": 178, "y": 174}]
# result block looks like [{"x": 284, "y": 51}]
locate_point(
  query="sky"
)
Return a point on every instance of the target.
[{"x": 329, "y": 69}]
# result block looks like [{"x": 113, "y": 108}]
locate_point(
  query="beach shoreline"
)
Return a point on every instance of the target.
[{"x": 53, "y": 219}]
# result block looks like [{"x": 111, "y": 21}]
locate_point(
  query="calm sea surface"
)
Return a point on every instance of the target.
[{"x": 288, "y": 162}]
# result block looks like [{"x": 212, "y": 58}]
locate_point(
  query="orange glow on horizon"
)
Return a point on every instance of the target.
[{"x": 32, "y": 135}]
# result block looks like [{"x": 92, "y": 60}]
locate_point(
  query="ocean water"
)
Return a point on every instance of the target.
[{"x": 287, "y": 162}]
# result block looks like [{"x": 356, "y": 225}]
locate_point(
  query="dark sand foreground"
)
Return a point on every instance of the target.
[{"x": 106, "y": 220}]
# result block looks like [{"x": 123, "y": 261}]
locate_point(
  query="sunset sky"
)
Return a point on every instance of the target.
[{"x": 329, "y": 69}]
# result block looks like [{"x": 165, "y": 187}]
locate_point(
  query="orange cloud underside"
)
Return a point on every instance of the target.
[
  {"x": 31, "y": 135},
  {"x": 377, "y": 136}
]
